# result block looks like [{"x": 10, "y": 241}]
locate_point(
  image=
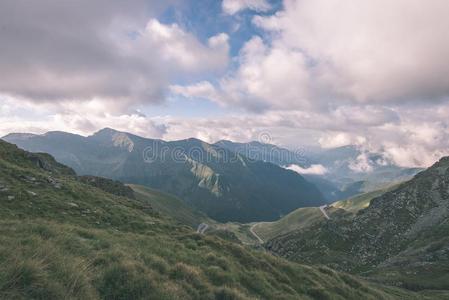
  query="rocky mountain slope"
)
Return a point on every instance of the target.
[
  {"x": 64, "y": 239},
  {"x": 405, "y": 231},
  {"x": 227, "y": 186}
]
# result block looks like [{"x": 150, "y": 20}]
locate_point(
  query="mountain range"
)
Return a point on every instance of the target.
[
  {"x": 225, "y": 185},
  {"x": 65, "y": 237},
  {"x": 338, "y": 173},
  {"x": 395, "y": 237}
]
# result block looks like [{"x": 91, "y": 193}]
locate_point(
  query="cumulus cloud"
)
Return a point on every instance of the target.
[
  {"x": 312, "y": 170},
  {"x": 369, "y": 51},
  {"x": 267, "y": 78},
  {"x": 328, "y": 53},
  {"x": 113, "y": 51},
  {"x": 234, "y": 6}
]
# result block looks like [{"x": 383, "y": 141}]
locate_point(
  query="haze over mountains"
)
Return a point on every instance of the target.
[
  {"x": 227, "y": 186},
  {"x": 338, "y": 172}
]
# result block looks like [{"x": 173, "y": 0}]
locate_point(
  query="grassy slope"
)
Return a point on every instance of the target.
[
  {"x": 401, "y": 239},
  {"x": 305, "y": 217},
  {"x": 297, "y": 219},
  {"x": 170, "y": 205},
  {"x": 354, "y": 204},
  {"x": 73, "y": 241}
]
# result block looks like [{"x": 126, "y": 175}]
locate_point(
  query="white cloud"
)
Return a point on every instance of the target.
[
  {"x": 181, "y": 49},
  {"x": 312, "y": 170},
  {"x": 203, "y": 89},
  {"x": 361, "y": 164},
  {"x": 369, "y": 50},
  {"x": 232, "y": 7},
  {"x": 326, "y": 54}
]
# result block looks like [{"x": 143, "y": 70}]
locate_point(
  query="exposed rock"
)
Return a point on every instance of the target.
[{"x": 32, "y": 193}]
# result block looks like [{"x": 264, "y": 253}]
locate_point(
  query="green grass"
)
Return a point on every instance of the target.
[
  {"x": 306, "y": 217},
  {"x": 300, "y": 218},
  {"x": 356, "y": 203},
  {"x": 75, "y": 241},
  {"x": 170, "y": 205}
]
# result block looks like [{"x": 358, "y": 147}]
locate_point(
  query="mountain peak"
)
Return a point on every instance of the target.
[
  {"x": 19, "y": 136},
  {"x": 117, "y": 138},
  {"x": 105, "y": 131}
]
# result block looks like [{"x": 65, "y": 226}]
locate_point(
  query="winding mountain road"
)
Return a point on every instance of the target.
[
  {"x": 324, "y": 212},
  {"x": 202, "y": 228},
  {"x": 251, "y": 229}
]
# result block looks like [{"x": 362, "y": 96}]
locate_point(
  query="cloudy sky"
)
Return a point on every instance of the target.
[{"x": 303, "y": 72}]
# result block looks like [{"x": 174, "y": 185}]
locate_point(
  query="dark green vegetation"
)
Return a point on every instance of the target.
[
  {"x": 64, "y": 239},
  {"x": 402, "y": 238},
  {"x": 108, "y": 185},
  {"x": 224, "y": 185}
]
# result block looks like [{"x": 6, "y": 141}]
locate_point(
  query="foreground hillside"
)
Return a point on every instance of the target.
[
  {"x": 63, "y": 238},
  {"x": 401, "y": 238},
  {"x": 222, "y": 184},
  {"x": 170, "y": 206}
]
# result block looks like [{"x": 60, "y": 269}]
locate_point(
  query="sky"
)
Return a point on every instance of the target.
[{"x": 296, "y": 73}]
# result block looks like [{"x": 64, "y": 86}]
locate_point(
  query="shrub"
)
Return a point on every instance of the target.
[
  {"x": 227, "y": 293},
  {"x": 126, "y": 281}
]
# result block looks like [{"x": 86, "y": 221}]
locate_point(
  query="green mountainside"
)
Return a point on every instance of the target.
[
  {"x": 300, "y": 218},
  {"x": 108, "y": 185},
  {"x": 222, "y": 184},
  {"x": 356, "y": 203},
  {"x": 401, "y": 238},
  {"x": 64, "y": 239},
  {"x": 170, "y": 206},
  {"x": 303, "y": 218}
]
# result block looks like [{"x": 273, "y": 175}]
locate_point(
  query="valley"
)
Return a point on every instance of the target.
[
  {"x": 314, "y": 235},
  {"x": 66, "y": 238},
  {"x": 222, "y": 184}
]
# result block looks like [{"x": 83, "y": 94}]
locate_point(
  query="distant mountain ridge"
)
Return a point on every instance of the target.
[
  {"x": 348, "y": 170},
  {"x": 227, "y": 186}
]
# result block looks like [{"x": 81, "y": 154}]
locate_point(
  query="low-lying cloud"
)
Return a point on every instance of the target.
[{"x": 312, "y": 170}]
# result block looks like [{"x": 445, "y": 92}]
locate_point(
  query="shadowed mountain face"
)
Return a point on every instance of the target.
[
  {"x": 225, "y": 185},
  {"x": 405, "y": 230},
  {"x": 347, "y": 170}
]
